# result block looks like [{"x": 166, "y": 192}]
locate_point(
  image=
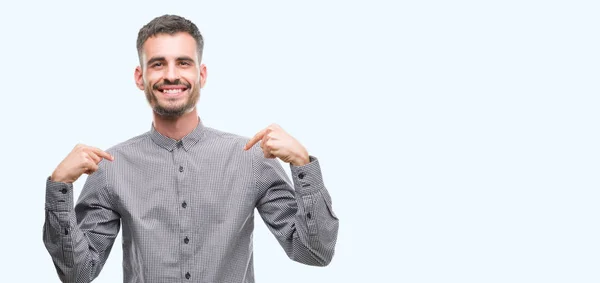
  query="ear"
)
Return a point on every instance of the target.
[
  {"x": 139, "y": 78},
  {"x": 203, "y": 75}
]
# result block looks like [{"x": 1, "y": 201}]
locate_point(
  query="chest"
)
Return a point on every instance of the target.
[{"x": 179, "y": 190}]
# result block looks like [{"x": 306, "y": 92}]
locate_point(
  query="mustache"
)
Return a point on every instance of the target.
[{"x": 177, "y": 82}]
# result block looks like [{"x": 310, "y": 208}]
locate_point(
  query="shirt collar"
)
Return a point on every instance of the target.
[{"x": 169, "y": 144}]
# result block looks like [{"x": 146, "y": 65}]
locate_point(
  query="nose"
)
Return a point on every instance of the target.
[{"x": 172, "y": 73}]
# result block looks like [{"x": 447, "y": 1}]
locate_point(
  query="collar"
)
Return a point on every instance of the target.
[{"x": 169, "y": 144}]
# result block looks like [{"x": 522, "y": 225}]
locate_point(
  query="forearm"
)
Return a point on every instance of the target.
[
  {"x": 70, "y": 248},
  {"x": 315, "y": 229},
  {"x": 308, "y": 227},
  {"x": 299, "y": 215}
]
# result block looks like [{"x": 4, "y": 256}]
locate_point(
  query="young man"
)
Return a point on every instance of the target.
[{"x": 185, "y": 193}]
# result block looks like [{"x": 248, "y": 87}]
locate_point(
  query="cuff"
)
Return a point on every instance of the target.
[
  {"x": 307, "y": 178},
  {"x": 59, "y": 196}
]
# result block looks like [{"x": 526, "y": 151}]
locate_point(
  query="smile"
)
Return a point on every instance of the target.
[{"x": 172, "y": 90}]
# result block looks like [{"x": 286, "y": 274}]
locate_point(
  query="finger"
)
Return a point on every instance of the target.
[
  {"x": 268, "y": 135},
  {"x": 255, "y": 139},
  {"x": 274, "y": 126},
  {"x": 101, "y": 153},
  {"x": 94, "y": 157},
  {"x": 268, "y": 155},
  {"x": 90, "y": 166},
  {"x": 264, "y": 142}
]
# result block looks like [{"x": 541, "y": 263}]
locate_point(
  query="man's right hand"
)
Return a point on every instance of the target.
[{"x": 82, "y": 159}]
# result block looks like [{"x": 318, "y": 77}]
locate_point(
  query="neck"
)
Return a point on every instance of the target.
[{"x": 176, "y": 127}]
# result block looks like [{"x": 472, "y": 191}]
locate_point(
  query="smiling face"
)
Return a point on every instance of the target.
[{"x": 170, "y": 73}]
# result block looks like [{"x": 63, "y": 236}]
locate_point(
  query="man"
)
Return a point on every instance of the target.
[{"x": 185, "y": 193}]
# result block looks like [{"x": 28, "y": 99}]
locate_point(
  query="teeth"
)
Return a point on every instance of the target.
[{"x": 177, "y": 90}]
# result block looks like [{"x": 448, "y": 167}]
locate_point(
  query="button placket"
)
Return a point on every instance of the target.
[
  {"x": 185, "y": 210},
  {"x": 181, "y": 190}
]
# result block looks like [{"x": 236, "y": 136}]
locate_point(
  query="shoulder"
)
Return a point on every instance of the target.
[
  {"x": 223, "y": 143},
  {"x": 130, "y": 144},
  {"x": 223, "y": 137}
]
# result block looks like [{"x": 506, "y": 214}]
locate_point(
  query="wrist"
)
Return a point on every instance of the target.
[
  {"x": 55, "y": 177},
  {"x": 301, "y": 160}
]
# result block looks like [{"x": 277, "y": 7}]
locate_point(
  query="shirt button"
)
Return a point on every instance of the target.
[
  {"x": 64, "y": 191},
  {"x": 187, "y": 275},
  {"x": 180, "y": 168},
  {"x": 184, "y": 204},
  {"x": 186, "y": 240},
  {"x": 301, "y": 175},
  {"x": 308, "y": 215}
]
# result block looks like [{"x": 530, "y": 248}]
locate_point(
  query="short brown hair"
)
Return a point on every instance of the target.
[{"x": 169, "y": 24}]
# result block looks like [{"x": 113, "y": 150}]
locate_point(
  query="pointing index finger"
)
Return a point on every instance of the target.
[
  {"x": 255, "y": 139},
  {"x": 102, "y": 153}
]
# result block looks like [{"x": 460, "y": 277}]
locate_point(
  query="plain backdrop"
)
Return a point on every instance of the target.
[{"x": 458, "y": 139}]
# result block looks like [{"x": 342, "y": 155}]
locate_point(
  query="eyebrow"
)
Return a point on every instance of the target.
[
  {"x": 185, "y": 58},
  {"x": 155, "y": 59},
  {"x": 182, "y": 58}
]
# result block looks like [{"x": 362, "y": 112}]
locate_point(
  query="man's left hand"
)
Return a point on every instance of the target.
[{"x": 275, "y": 142}]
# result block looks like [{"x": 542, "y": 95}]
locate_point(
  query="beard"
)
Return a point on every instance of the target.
[{"x": 168, "y": 109}]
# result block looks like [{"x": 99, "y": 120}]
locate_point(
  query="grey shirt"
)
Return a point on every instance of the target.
[{"x": 187, "y": 211}]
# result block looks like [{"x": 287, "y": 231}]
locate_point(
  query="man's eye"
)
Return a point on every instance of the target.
[
  {"x": 154, "y": 65},
  {"x": 184, "y": 63}
]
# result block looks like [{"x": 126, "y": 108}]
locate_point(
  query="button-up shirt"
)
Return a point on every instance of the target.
[{"x": 186, "y": 209}]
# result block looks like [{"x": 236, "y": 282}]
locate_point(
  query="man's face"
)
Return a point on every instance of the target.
[{"x": 171, "y": 75}]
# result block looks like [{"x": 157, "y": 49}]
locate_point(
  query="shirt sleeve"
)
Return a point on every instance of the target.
[
  {"x": 79, "y": 239},
  {"x": 300, "y": 216}
]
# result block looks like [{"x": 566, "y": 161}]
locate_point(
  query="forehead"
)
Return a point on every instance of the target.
[{"x": 170, "y": 46}]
